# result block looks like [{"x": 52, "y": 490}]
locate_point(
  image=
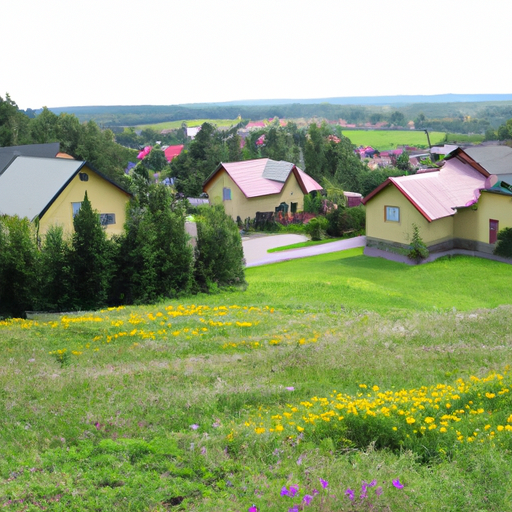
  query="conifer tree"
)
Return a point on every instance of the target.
[{"x": 89, "y": 259}]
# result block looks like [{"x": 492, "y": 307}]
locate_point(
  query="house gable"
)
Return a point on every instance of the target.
[
  {"x": 106, "y": 198},
  {"x": 38, "y": 188}
]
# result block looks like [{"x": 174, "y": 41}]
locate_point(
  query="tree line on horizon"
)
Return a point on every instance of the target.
[{"x": 322, "y": 151}]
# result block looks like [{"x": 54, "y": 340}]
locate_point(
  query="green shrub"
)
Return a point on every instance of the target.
[
  {"x": 417, "y": 249},
  {"x": 342, "y": 220},
  {"x": 18, "y": 265},
  {"x": 316, "y": 227},
  {"x": 55, "y": 284},
  {"x": 219, "y": 256},
  {"x": 504, "y": 245},
  {"x": 313, "y": 202}
]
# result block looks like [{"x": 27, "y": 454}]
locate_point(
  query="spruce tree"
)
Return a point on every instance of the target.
[{"x": 89, "y": 259}]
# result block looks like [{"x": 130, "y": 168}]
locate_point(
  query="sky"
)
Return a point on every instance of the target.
[{"x": 61, "y": 53}]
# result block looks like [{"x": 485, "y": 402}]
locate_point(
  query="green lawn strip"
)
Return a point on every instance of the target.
[
  {"x": 158, "y": 421},
  {"x": 307, "y": 243}
]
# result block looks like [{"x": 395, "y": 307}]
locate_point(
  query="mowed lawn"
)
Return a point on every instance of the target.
[
  {"x": 357, "y": 282},
  {"x": 338, "y": 382}
]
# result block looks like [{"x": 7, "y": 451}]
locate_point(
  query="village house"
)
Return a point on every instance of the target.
[
  {"x": 462, "y": 205},
  {"x": 49, "y": 191},
  {"x": 261, "y": 185}
]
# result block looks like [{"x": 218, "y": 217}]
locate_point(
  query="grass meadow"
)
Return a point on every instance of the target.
[
  {"x": 391, "y": 139},
  {"x": 333, "y": 383}
]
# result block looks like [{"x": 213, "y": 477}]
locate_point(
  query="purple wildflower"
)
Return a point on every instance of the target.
[
  {"x": 397, "y": 484},
  {"x": 315, "y": 492},
  {"x": 378, "y": 491},
  {"x": 324, "y": 483},
  {"x": 295, "y": 508},
  {"x": 292, "y": 492},
  {"x": 373, "y": 483},
  {"x": 194, "y": 426},
  {"x": 290, "y": 388},
  {"x": 307, "y": 499},
  {"x": 254, "y": 508},
  {"x": 350, "y": 493}
]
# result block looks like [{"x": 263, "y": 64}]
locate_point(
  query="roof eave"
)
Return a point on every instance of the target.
[
  {"x": 59, "y": 192},
  {"x": 210, "y": 177}
]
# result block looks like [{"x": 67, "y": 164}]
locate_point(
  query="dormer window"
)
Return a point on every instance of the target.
[{"x": 83, "y": 176}]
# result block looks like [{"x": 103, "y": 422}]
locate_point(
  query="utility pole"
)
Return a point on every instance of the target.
[{"x": 428, "y": 138}]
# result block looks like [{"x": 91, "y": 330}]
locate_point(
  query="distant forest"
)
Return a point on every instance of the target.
[{"x": 454, "y": 116}]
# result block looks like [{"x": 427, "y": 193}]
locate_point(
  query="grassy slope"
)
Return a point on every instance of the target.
[{"x": 111, "y": 428}]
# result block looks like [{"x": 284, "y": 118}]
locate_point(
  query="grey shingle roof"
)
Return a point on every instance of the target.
[
  {"x": 277, "y": 171},
  {"x": 40, "y": 150},
  {"x": 494, "y": 159},
  {"x": 30, "y": 184}
]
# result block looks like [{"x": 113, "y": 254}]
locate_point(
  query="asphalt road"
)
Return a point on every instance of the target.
[{"x": 255, "y": 249}]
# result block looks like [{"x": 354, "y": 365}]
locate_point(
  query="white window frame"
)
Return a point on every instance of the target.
[{"x": 392, "y": 214}]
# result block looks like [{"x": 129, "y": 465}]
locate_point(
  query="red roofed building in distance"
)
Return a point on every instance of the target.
[{"x": 173, "y": 151}]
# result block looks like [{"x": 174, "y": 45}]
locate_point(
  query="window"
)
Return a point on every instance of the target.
[
  {"x": 293, "y": 207},
  {"x": 226, "y": 194},
  {"x": 392, "y": 214},
  {"x": 76, "y": 208},
  {"x": 107, "y": 218},
  {"x": 83, "y": 176}
]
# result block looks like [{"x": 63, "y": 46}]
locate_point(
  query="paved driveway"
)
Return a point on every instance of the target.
[{"x": 255, "y": 249}]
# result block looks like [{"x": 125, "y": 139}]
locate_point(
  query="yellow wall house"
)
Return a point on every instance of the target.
[
  {"x": 261, "y": 185},
  {"x": 460, "y": 206},
  {"x": 49, "y": 191}
]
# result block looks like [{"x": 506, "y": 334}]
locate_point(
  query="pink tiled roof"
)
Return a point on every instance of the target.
[
  {"x": 248, "y": 175},
  {"x": 173, "y": 151},
  {"x": 309, "y": 183},
  {"x": 437, "y": 194}
]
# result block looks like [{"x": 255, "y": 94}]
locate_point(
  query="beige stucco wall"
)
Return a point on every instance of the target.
[
  {"x": 104, "y": 197},
  {"x": 473, "y": 224},
  {"x": 400, "y": 232},
  {"x": 240, "y": 206}
]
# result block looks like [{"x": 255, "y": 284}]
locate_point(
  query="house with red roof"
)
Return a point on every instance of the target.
[
  {"x": 173, "y": 151},
  {"x": 260, "y": 185},
  {"x": 462, "y": 205}
]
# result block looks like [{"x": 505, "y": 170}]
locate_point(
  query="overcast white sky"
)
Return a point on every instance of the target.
[{"x": 162, "y": 52}]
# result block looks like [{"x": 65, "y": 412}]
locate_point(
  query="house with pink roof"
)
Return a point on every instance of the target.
[
  {"x": 459, "y": 206},
  {"x": 173, "y": 151},
  {"x": 260, "y": 185}
]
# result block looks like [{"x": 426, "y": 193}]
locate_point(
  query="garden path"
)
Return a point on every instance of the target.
[{"x": 255, "y": 248}]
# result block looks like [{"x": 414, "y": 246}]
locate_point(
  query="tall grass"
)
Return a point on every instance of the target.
[{"x": 179, "y": 406}]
